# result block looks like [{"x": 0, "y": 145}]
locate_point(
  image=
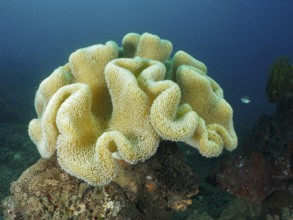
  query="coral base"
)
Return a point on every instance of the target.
[{"x": 150, "y": 190}]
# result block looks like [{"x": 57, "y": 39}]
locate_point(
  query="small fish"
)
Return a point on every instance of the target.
[{"x": 245, "y": 100}]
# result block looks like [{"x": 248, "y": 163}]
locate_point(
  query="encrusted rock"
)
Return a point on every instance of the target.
[{"x": 149, "y": 190}]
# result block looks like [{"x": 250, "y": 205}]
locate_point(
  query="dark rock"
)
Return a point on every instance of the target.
[{"x": 266, "y": 164}]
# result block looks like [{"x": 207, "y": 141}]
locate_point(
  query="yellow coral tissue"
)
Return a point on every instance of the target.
[{"x": 110, "y": 102}]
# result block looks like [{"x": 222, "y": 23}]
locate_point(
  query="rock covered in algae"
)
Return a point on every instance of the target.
[
  {"x": 280, "y": 82},
  {"x": 150, "y": 190}
]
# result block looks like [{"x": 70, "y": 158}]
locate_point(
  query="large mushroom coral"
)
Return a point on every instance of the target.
[{"x": 121, "y": 101}]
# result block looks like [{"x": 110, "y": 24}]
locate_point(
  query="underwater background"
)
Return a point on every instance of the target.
[{"x": 237, "y": 40}]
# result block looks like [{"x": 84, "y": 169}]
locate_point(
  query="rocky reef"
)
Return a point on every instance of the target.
[
  {"x": 262, "y": 172},
  {"x": 150, "y": 190}
]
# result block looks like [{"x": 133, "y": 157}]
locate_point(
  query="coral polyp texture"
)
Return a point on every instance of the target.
[{"x": 112, "y": 102}]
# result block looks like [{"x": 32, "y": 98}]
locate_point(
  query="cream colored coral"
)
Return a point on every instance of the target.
[
  {"x": 43, "y": 130},
  {"x": 205, "y": 96},
  {"x": 131, "y": 107},
  {"x": 87, "y": 65},
  {"x": 79, "y": 131},
  {"x": 183, "y": 58},
  {"x": 99, "y": 105},
  {"x": 147, "y": 45}
]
